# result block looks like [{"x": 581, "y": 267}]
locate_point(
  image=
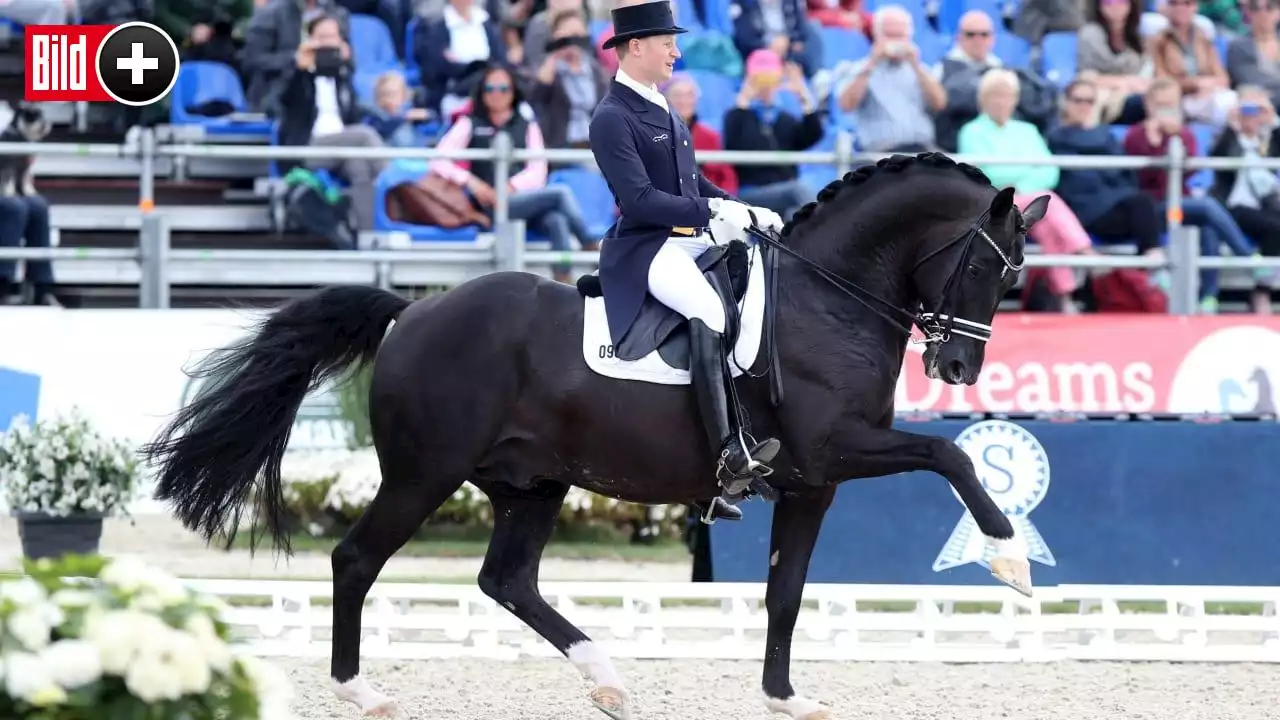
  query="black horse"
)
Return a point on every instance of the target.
[{"x": 486, "y": 383}]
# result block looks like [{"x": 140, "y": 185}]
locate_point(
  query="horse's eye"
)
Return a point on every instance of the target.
[{"x": 975, "y": 269}]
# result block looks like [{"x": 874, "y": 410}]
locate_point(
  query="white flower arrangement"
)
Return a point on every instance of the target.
[
  {"x": 134, "y": 643},
  {"x": 63, "y": 467}
]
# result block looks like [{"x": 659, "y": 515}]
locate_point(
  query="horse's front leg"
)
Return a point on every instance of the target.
[
  {"x": 873, "y": 452},
  {"x": 796, "y": 521}
]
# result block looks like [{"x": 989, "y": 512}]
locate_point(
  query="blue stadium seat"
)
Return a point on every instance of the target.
[
  {"x": 932, "y": 45},
  {"x": 993, "y": 8},
  {"x": 412, "y": 71},
  {"x": 818, "y": 175},
  {"x": 687, "y": 15},
  {"x": 403, "y": 171},
  {"x": 839, "y": 44},
  {"x": 717, "y": 95},
  {"x": 593, "y": 195},
  {"x": 1059, "y": 57},
  {"x": 200, "y": 82},
  {"x": 598, "y": 28},
  {"x": 371, "y": 45},
  {"x": 719, "y": 17},
  {"x": 1012, "y": 50},
  {"x": 1204, "y": 135}
]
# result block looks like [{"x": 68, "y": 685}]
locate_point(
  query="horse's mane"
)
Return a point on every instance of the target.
[{"x": 892, "y": 164}]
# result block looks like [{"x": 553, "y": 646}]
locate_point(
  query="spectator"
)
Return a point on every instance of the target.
[
  {"x": 271, "y": 44},
  {"x": 390, "y": 12},
  {"x": 682, "y": 95},
  {"x": 38, "y": 12},
  {"x": 963, "y": 68},
  {"x": 1107, "y": 202},
  {"x": 393, "y": 117},
  {"x": 1037, "y": 17},
  {"x": 319, "y": 108},
  {"x": 995, "y": 132},
  {"x": 1185, "y": 54},
  {"x": 453, "y": 52},
  {"x": 1254, "y": 57},
  {"x": 538, "y": 30},
  {"x": 205, "y": 29},
  {"x": 1156, "y": 21},
  {"x": 551, "y": 209},
  {"x": 1252, "y": 196},
  {"x": 1151, "y": 138},
  {"x": 757, "y": 123},
  {"x": 778, "y": 25},
  {"x": 847, "y": 14},
  {"x": 1111, "y": 54},
  {"x": 569, "y": 83},
  {"x": 891, "y": 93},
  {"x": 24, "y": 220}
]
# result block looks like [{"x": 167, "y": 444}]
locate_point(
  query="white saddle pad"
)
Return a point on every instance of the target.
[{"x": 597, "y": 347}]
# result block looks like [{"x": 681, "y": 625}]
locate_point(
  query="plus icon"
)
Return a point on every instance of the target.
[{"x": 138, "y": 63}]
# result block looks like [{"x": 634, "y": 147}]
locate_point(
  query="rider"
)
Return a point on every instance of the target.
[{"x": 646, "y": 155}]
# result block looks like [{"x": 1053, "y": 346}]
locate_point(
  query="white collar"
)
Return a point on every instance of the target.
[
  {"x": 648, "y": 92},
  {"x": 453, "y": 19}
]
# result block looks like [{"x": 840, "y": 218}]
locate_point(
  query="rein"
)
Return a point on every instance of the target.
[{"x": 937, "y": 326}]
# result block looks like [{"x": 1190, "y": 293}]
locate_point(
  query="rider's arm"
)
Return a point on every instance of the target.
[
  {"x": 708, "y": 189},
  {"x": 615, "y": 151}
]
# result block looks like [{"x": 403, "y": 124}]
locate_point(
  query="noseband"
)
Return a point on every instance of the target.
[{"x": 937, "y": 326}]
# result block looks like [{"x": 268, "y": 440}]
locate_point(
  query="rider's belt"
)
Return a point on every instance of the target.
[{"x": 687, "y": 231}]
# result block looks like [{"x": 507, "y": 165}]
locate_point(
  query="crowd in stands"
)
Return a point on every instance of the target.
[{"x": 1022, "y": 78}]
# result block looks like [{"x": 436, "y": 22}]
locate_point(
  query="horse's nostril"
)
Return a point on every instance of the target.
[{"x": 954, "y": 371}]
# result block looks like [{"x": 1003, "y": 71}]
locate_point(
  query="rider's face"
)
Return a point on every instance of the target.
[{"x": 654, "y": 57}]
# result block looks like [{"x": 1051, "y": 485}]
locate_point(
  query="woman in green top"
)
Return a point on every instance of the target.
[{"x": 995, "y": 132}]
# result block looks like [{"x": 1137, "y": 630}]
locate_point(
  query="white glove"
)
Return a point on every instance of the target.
[
  {"x": 767, "y": 219},
  {"x": 729, "y": 221}
]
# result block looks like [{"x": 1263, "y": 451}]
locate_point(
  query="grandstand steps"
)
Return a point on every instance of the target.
[{"x": 125, "y": 191}]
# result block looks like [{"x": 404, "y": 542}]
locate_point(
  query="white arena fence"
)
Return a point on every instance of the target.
[
  {"x": 902, "y": 623},
  {"x": 154, "y": 266}
]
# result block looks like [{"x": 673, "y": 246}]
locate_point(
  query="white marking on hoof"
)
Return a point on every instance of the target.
[
  {"x": 799, "y": 707},
  {"x": 594, "y": 664},
  {"x": 1014, "y": 572},
  {"x": 360, "y": 693},
  {"x": 610, "y": 695}
]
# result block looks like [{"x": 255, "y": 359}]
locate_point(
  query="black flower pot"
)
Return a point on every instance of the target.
[{"x": 52, "y": 536}]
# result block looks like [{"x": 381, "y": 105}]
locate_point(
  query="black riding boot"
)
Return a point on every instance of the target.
[{"x": 736, "y": 464}]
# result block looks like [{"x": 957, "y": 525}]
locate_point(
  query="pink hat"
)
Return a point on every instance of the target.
[{"x": 763, "y": 61}]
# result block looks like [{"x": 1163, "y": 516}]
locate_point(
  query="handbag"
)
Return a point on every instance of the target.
[{"x": 434, "y": 200}]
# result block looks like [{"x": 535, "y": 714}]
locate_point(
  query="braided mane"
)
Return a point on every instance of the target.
[{"x": 892, "y": 164}]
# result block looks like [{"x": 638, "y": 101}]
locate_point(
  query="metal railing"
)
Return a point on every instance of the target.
[{"x": 156, "y": 260}]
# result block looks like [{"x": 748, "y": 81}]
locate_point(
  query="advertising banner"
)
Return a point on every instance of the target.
[
  {"x": 1112, "y": 363},
  {"x": 1095, "y": 502}
]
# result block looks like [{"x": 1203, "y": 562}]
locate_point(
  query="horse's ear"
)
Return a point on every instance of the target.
[
  {"x": 1034, "y": 211},
  {"x": 1002, "y": 203}
]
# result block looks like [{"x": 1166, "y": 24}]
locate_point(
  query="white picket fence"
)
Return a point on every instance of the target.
[{"x": 728, "y": 621}]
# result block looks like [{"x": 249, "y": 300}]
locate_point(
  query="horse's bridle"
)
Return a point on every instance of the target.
[{"x": 937, "y": 326}]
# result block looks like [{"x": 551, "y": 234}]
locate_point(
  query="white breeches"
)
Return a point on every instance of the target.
[{"x": 674, "y": 279}]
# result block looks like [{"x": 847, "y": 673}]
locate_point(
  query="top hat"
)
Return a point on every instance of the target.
[{"x": 640, "y": 21}]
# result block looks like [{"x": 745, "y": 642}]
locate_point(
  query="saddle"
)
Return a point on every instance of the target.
[{"x": 658, "y": 327}]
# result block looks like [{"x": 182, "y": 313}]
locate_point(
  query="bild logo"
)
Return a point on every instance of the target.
[{"x": 1014, "y": 470}]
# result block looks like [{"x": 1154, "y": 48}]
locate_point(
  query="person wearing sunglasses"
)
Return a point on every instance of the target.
[
  {"x": 550, "y": 209},
  {"x": 963, "y": 68},
  {"x": 1253, "y": 58},
  {"x": 1252, "y": 196},
  {"x": 568, "y": 84},
  {"x": 1108, "y": 202}
]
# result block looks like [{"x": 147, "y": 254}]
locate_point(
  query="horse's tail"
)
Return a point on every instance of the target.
[{"x": 234, "y": 432}]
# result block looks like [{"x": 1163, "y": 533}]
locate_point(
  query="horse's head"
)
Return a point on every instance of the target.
[{"x": 962, "y": 280}]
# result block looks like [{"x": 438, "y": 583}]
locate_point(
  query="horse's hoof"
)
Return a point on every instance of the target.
[
  {"x": 611, "y": 702},
  {"x": 799, "y": 708},
  {"x": 1014, "y": 572}
]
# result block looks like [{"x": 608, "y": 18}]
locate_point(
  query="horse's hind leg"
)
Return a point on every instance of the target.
[
  {"x": 403, "y": 502},
  {"x": 523, "y": 521}
]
